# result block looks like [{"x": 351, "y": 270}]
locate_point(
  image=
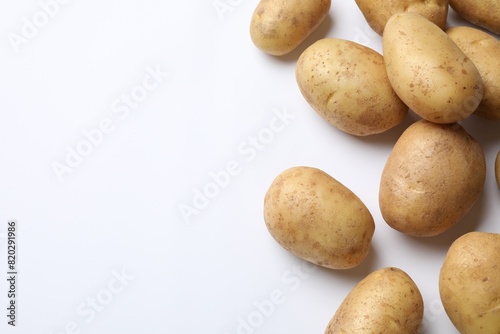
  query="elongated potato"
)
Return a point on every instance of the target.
[
  {"x": 469, "y": 283},
  {"x": 337, "y": 78},
  {"x": 378, "y": 12},
  {"x": 484, "y": 13},
  {"x": 318, "y": 219},
  {"x": 484, "y": 50},
  {"x": 279, "y": 26},
  {"x": 434, "y": 175},
  {"x": 386, "y": 301},
  {"x": 428, "y": 70}
]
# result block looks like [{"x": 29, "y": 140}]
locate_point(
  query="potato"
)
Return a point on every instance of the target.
[
  {"x": 497, "y": 169},
  {"x": 428, "y": 70},
  {"x": 346, "y": 83},
  {"x": 469, "y": 283},
  {"x": 279, "y": 26},
  {"x": 318, "y": 219},
  {"x": 483, "y": 49},
  {"x": 433, "y": 176},
  {"x": 386, "y": 301},
  {"x": 378, "y": 12},
  {"x": 484, "y": 13}
]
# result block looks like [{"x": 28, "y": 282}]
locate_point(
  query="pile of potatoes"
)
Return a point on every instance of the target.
[{"x": 435, "y": 172}]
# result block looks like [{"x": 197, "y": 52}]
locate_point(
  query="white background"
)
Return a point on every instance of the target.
[{"x": 117, "y": 212}]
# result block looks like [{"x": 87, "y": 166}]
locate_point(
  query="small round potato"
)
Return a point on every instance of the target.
[
  {"x": 318, "y": 219},
  {"x": 497, "y": 169},
  {"x": 484, "y": 13},
  {"x": 484, "y": 50},
  {"x": 386, "y": 301},
  {"x": 378, "y": 12},
  {"x": 279, "y": 26},
  {"x": 434, "y": 175},
  {"x": 346, "y": 83},
  {"x": 428, "y": 70},
  {"x": 469, "y": 283}
]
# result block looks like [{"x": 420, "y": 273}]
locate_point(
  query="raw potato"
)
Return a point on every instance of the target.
[
  {"x": 484, "y": 50},
  {"x": 318, "y": 219},
  {"x": 432, "y": 178},
  {"x": 497, "y": 169},
  {"x": 484, "y": 13},
  {"x": 469, "y": 283},
  {"x": 428, "y": 70},
  {"x": 279, "y": 26},
  {"x": 346, "y": 83},
  {"x": 378, "y": 12},
  {"x": 386, "y": 301}
]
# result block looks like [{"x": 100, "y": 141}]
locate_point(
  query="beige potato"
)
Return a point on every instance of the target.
[
  {"x": 484, "y": 50},
  {"x": 279, "y": 26},
  {"x": 497, "y": 169},
  {"x": 378, "y": 12},
  {"x": 318, "y": 219},
  {"x": 469, "y": 283},
  {"x": 386, "y": 301},
  {"x": 484, "y": 13},
  {"x": 433, "y": 176},
  {"x": 428, "y": 70},
  {"x": 346, "y": 83}
]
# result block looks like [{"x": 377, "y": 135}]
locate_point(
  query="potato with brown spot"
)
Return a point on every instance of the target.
[
  {"x": 432, "y": 178},
  {"x": 428, "y": 70},
  {"x": 346, "y": 83},
  {"x": 318, "y": 219},
  {"x": 484, "y": 13},
  {"x": 378, "y": 12},
  {"x": 469, "y": 283},
  {"x": 279, "y": 26},
  {"x": 484, "y": 50},
  {"x": 387, "y": 301}
]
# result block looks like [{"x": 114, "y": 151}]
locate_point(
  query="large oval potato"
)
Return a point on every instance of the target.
[
  {"x": 386, "y": 301},
  {"x": 469, "y": 283},
  {"x": 346, "y": 83},
  {"x": 433, "y": 176},
  {"x": 484, "y": 13},
  {"x": 484, "y": 50},
  {"x": 428, "y": 70},
  {"x": 279, "y": 26},
  {"x": 378, "y": 12},
  {"x": 318, "y": 219}
]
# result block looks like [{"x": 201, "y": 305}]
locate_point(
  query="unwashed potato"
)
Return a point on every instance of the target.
[
  {"x": 428, "y": 70},
  {"x": 386, "y": 301},
  {"x": 433, "y": 176},
  {"x": 497, "y": 169},
  {"x": 483, "y": 13},
  {"x": 346, "y": 83},
  {"x": 279, "y": 26},
  {"x": 469, "y": 283},
  {"x": 378, "y": 12},
  {"x": 318, "y": 219},
  {"x": 484, "y": 51}
]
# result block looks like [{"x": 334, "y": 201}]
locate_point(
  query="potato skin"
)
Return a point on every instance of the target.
[
  {"x": 469, "y": 283},
  {"x": 484, "y": 13},
  {"x": 346, "y": 83},
  {"x": 318, "y": 219},
  {"x": 433, "y": 176},
  {"x": 378, "y": 12},
  {"x": 483, "y": 49},
  {"x": 497, "y": 169},
  {"x": 386, "y": 301},
  {"x": 279, "y": 26},
  {"x": 440, "y": 84}
]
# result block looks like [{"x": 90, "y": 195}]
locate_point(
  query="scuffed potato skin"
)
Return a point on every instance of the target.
[
  {"x": 278, "y": 26},
  {"x": 469, "y": 283},
  {"x": 386, "y": 301},
  {"x": 318, "y": 219}
]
